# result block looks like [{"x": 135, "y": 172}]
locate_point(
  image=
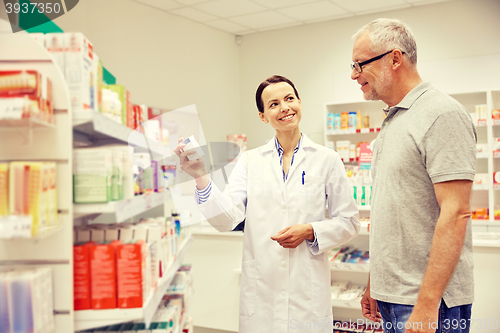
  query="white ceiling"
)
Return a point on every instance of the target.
[{"x": 242, "y": 17}]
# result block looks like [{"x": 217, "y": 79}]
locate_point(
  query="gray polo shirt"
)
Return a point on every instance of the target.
[{"x": 427, "y": 138}]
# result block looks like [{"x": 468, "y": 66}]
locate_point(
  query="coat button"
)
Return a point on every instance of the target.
[
  {"x": 283, "y": 207},
  {"x": 283, "y": 264},
  {"x": 283, "y": 294}
]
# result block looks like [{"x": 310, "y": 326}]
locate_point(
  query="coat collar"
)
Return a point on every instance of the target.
[{"x": 306, "y": 145}]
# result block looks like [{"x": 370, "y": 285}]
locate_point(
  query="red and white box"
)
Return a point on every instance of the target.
[{"x": 103, "y": 276}]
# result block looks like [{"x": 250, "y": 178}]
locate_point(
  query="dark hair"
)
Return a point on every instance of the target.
[{"x": 271, "y": 80}]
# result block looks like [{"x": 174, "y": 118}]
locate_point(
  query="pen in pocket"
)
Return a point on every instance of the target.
[{"x": 303, "y": 174}]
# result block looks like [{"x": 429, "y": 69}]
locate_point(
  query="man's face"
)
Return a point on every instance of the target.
[{"x": 375, "y": 76}]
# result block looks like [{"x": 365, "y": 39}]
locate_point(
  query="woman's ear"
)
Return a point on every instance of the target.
[{"x": 263, "y": 117}]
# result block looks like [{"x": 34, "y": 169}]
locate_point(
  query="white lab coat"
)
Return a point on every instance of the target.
[{"x": 285, "y": 289}]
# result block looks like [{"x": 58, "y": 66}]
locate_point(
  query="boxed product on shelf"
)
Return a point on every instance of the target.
[
  {"x": 25, "y": 94},
  {"x": 81, "y": 276},
  {"x": 4, "y": 189},
  {"x": 343, "y": 149},
  {"x": 96, "y": 83},
  {"x": 127, "y": 115},
  {"x": 32, "y": 191},
  {"x": 481, "y": 179},
  {"x": 78, "y": 59},
  {"x": 103, "y": 276},
  {"x": 54, "y": 43},
  {"x": 92, "y": 171},
  {"x": 143, "y": 174},
  {"x": 26, "y": 300},
  {"x": 111, "y": 106},
  {"x": 132, "y": 274}
]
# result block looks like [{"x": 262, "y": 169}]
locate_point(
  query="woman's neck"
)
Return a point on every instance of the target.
[{"x": 289, "y": 139}]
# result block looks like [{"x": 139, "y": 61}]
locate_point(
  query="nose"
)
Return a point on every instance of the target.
[
  {"x": 284, "y": 107},
  {"x": 354, "y": 74}
]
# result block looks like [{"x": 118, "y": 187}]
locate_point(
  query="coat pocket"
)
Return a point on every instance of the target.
[
  {"x": 312, "y": 195},
  {"x": 248, "y": 288},
  {"x": 321, "y": 297}
]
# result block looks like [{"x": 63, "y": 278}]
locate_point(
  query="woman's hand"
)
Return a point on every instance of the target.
[
  {"x": 195, "y": 168},
  {"x": 293, "y": 236}
]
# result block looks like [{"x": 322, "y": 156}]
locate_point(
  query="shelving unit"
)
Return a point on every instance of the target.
[
  {"x": 88, "y": 319},
  {"x": 119, "y": 211},
  {"x": 35, "y": 140},
  {"x": 484, "y": 195},
  {"x": 32, "y": 139},
  {"x": 95, "y": 128}
]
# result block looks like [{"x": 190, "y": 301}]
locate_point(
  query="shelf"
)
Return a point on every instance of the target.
[
  {"x": 101, "y": 128},
  {"x": 351, "y": 304},
  {"x": 25, "y": 123},
  {"x": 488, "y": 239},
  {"x": 23, "y": 228},
  {"x": 480, "y": 187},
  {"x": 87, "y": 319},
  {"x": 123, "y": 209},
  {"x": 349, "y": 267},
  {"x": 352, "y": 131}
]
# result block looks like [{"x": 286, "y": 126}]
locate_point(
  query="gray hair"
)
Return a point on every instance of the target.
[{"x": 388, "y": 34}]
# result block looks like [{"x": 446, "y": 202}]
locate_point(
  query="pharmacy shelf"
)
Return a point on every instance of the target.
[
  {"x": 88, "y": 319},
  {"x": 480, "y": 187},
  {"x": 185, "y": 314},
  {"x": 346, "y": 304},
  {"x": 349, "y": 267},
  {"x": 25, "y": 123},
  {"x": 124, "y": 209},
  {"x": 104, "y": 130},
  {"x": 352, "y": 131}
]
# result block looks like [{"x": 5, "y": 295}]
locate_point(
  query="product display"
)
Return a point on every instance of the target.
[
  {"x": 27, "y": 189},
  {"x": 26, "y": 94},
  {"x": 78, "y": 67},
  {"x": 119, "y": 266},
  {"x": 26, "y": 300}
]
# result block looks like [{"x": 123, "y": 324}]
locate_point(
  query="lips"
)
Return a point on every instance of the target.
[{"x": 288, "y": 117}]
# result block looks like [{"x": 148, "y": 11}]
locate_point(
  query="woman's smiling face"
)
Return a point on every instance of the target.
[{"x": 282, "y": 108}]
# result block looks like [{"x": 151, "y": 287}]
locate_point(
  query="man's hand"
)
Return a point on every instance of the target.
[
  {"x": 422, "y": 321},
  {"x": 293, "y": 236},
  {"x": 369, "y": 306}
]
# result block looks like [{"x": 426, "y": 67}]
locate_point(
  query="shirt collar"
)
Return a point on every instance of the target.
[
  {"x": 410, "y": 97},
  {"x": 279, "y": 149},
  {"x": 304, "y": 142}
]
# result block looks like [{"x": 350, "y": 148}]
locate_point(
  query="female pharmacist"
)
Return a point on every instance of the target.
[{"x": 282, "y": 189}]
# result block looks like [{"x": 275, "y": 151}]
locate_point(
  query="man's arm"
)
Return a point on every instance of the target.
[{"x": 453, "y": 198}]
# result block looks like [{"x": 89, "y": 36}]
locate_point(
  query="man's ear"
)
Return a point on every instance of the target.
[{"x": 397, "y": 58}]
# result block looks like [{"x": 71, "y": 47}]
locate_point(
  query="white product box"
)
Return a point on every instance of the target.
[
  {"x": 192, "y": 144},
  {"x": 343, "y": 149},
  {"x": 92, "y": 170},
  {"x": 481, "y": 179},
  {"x": 78, "y": 57},
  {"x": 54, "y": 43}
]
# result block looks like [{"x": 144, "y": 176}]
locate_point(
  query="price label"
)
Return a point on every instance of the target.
[{"x": 12, "y": 108}]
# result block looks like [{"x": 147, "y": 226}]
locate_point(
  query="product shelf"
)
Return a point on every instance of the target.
[
  {"x": 346, "y": 304},
  {"x": 25, "y": 123},
  {"x": 23, "y": 229},
  {"x": 353, "y": 131},
  {"x": 480, "y": 187},
  {"x": 103, "y": 129},
  {"x": 123, "y": 209},
  {"x": 88, "y": 319},
  {"x": 349, "y": 267}
]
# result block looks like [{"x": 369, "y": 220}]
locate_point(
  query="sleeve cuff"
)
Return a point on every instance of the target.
[
  {"x": 203, "y": 195},
  {"x": 313, "y": 246}
]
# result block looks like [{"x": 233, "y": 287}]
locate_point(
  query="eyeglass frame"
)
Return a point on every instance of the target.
[{"x": 366, "y": 62}]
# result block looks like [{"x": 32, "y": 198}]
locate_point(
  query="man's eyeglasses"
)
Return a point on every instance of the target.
[{"x": 358, "y": 66}]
